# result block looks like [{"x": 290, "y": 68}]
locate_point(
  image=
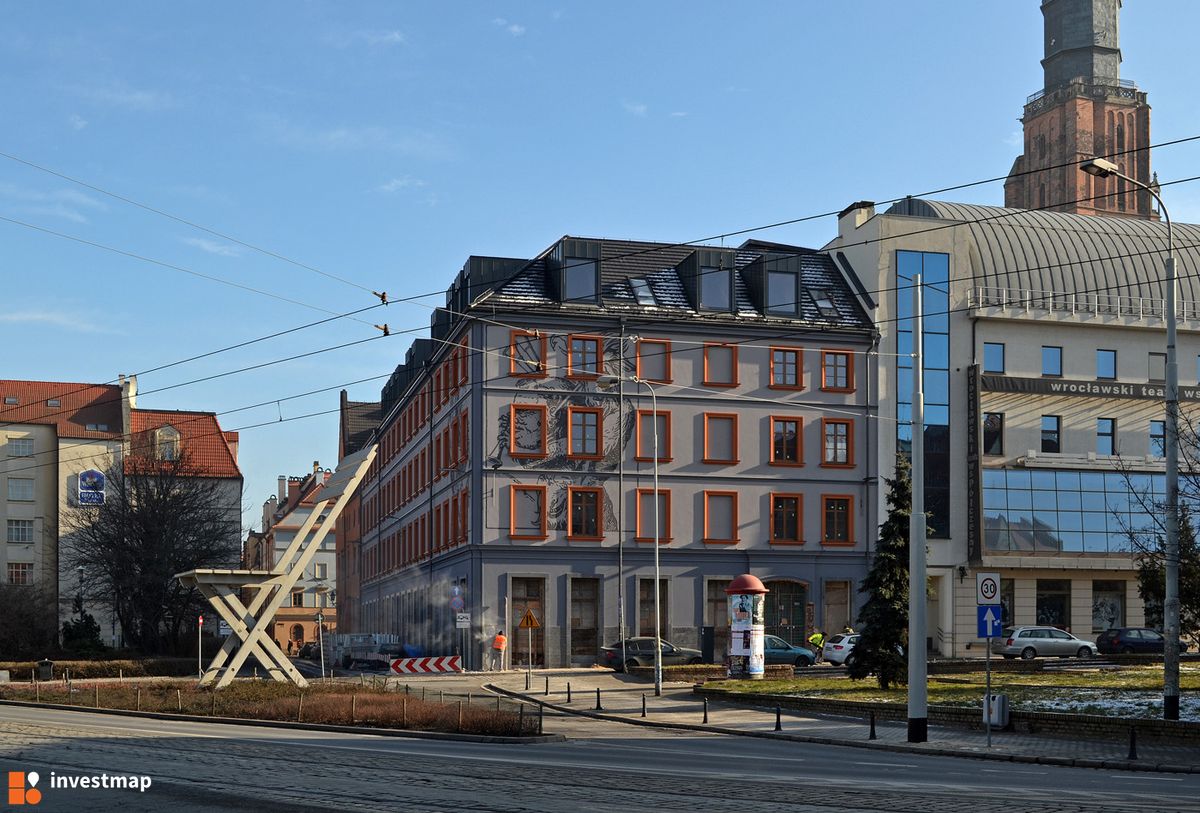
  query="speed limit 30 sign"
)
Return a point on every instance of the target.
[{"x": 987, "y": 589}]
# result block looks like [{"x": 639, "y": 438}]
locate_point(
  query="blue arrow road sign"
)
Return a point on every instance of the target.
[{"x": 989, "y": 621}]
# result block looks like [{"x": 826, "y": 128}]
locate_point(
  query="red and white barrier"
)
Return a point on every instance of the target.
[{"x": 424, "y": 666}]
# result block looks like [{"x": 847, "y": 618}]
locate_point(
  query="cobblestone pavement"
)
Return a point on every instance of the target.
[{"x": 621, "y": 697}]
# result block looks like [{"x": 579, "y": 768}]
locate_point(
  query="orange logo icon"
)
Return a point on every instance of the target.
[{"x": 22, "y": 788}]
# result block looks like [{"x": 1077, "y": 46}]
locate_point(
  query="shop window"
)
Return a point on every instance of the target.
[
  {"x": 585, "y": 617},
  {"x": 646, "y": 617},
  {"x": 1108, "y": 605},
  {"x": 1054, "y": 603}
]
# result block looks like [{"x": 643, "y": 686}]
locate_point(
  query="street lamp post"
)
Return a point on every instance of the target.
[
  {"x": 321, "y": 640},
  {"x": 606, "y": 382},
  {"x": 1101, "y": 168}
]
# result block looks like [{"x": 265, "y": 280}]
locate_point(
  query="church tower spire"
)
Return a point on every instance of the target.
[{"x": 1085, "y": 110}]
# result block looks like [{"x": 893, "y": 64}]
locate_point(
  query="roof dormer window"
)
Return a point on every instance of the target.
[
  {"x": 581, "y": 283},
  {"x": 716, "y": 288},
  {"x": 166, "y": 443},
  {"x": 782, "y": 292}
]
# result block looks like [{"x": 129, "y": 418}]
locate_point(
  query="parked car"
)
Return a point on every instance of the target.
[
  {"x": 839, "y": 648},
  {"x": 778, "y": 650},
  {"x": 640, "y": 652},
  {"x": 1030, "y": 642},
  {"x": 1128, "y": 640}
]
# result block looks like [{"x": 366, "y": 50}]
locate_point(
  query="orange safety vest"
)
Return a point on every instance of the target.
[{"x": 499, "y": 642}]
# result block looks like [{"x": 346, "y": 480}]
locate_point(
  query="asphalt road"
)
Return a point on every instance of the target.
[{"x": 203, "y": 767}]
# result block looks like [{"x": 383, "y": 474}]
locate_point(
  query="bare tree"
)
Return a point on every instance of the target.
[
  {"x": 159, "y": 518},
  {"x": 30, "y": 619}
]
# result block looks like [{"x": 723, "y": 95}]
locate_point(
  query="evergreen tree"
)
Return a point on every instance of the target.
[
  {"x": 883, "y": 619},
  {"x": 1152, "y": 576}
]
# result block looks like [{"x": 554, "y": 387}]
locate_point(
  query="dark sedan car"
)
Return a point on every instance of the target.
[
  {"x": 1128, "y": 640},
  {"x": 640, "y": 652},
  {"x": 777, "y": 650}
]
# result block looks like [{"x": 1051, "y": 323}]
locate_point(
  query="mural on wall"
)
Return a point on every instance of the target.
[{"x": 555, "y": 469}]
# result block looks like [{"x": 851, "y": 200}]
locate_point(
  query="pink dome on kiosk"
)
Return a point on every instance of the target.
[{"x": 746, "y": 584}]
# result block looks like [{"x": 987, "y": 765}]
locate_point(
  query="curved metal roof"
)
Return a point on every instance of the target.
[{"x": 1066, "y": 253}]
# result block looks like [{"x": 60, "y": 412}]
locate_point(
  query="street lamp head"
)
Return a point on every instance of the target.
[
  {"x": 1098, "y": 167},
  {"x": 607, "y": 382}
]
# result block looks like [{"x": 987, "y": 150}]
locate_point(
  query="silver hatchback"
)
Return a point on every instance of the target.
[{"x": 1031, "y": 642}]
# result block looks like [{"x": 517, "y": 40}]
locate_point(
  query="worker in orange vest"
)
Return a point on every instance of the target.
[{"x": 499, "y": 644}]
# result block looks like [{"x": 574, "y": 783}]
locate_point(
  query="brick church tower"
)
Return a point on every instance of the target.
[{"x": 1084, "y": 111}]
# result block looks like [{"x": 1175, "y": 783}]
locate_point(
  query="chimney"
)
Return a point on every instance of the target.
[
  {"x": 282, "y": 490},
  {"x": 854, "y": 215},
  {"x": 316, "y": 466},
  {"x": 128, "y": 402}
]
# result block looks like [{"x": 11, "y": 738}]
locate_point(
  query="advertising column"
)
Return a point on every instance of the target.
[{"x": 747, "y": 598}]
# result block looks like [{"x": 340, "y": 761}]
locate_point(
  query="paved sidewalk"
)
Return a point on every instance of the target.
[{"x": 621, "y": 699}]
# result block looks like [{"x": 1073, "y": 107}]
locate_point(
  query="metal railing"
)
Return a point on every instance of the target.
[{"x": 1137, "y": 307}]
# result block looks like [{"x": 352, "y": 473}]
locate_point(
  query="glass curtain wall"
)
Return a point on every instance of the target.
[{"x": 934, "y": 269}]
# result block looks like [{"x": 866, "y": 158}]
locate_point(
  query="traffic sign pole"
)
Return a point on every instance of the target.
[
  {"x": 990, "y": 618},
  {"x": 987, "y": 700}
]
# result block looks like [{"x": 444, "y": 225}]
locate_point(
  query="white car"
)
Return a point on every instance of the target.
[{"x": 839, "y": 647}]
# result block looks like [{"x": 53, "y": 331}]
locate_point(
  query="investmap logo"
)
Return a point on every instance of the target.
[{"x": 23, "y": 787}]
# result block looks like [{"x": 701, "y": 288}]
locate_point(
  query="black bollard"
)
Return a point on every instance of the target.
[
  {"x": 1132, "y": 743},
  {"x": 598, "y": 706},
  {"x": 568, "y": 691},
  {"x": 547, "y": 685},
  {"x": 643, "y": 704},
  {"x": 541, "y": 718},
  {"x": 778, "y": 719},
  {"x": 706, "y": 711},
  {"x": 872, "y": 737}
]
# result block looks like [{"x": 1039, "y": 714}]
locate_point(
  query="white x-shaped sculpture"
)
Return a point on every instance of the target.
[{"x": 250, "y": 624}]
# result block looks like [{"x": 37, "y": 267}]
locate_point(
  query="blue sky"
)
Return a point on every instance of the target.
[{"x": 385, "y": 142}]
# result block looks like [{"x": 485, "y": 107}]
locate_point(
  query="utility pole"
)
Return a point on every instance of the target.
[{"x": 918, "y": 701}]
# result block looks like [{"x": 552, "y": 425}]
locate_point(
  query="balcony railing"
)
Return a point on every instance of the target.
[{"x": 1136, "y": 307}]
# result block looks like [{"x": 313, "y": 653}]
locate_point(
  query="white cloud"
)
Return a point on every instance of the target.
[
  {"x": 77, "y": 122},
  {"x": 380, "y": 38},
  {"x": 400, "y": 183},
  {"x": 118, "y": 94},
  {"x": 516, "y": 29},
  {"x": 635, "y": 108},
  {"x": 213, "y": 247},
  {"x": 59, "y": 319},
  {"x": 66, "y": 204},
  {"x": 678, "y": 114},
  {"x": 362, "y": 137}
]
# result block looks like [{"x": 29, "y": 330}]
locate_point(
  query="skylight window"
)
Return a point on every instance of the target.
[
  {"x": 823, "y": 301},
  {"x": 641, "y": 291}
]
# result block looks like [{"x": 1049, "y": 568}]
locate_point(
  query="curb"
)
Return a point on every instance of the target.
[
  {"x": 341, "y": 729},
  {"x": 1069, "y": 762}
]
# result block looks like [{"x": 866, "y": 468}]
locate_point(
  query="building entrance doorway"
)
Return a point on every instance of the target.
[{"x": 784, "y": 610}]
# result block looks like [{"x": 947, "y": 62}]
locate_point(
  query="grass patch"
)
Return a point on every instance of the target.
[
  {"x": 329, "y": 704},
  {"x": 88, "y": 669},
  {"x": 1023, "y": 689}
]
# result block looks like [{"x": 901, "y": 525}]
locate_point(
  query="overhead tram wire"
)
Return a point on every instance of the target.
[
  {"x": 184, "y": 221},
  {"x": 832, "y": 213},
  {"x": 190, "y": 359}
]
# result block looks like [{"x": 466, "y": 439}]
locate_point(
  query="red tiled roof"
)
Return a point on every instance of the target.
[
  {"x": 80, "y": 406},
  {"x": 201, "y": 439}
]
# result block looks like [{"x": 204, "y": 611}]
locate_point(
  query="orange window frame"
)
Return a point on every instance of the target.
[
  {"x": 666, "y": 354},
  {"x": 599, "y": 494},
  {"x": 799, "y": 352},
  {"x": 849, "y": 424},
  {"x": 729, "y": 416},
  {"x": 664, "y": 440},
  {"x": 772, "y": 537},
  {"x": 825, "y": 540},
  {"x": 513, "y": 409},
  {"x": 638, "y": 536},
  {"x": 825, "y": 367},
  {"x": 799, "y": 461},
  {"x": 572, "y": 411},
  {"x": 599, "y": 343},
  {"x": 513, "y": 361},
  {"x": 708, "y": 539},
  {"x": 733, "y": 365},
  {"x": 513, "y": 490}
]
